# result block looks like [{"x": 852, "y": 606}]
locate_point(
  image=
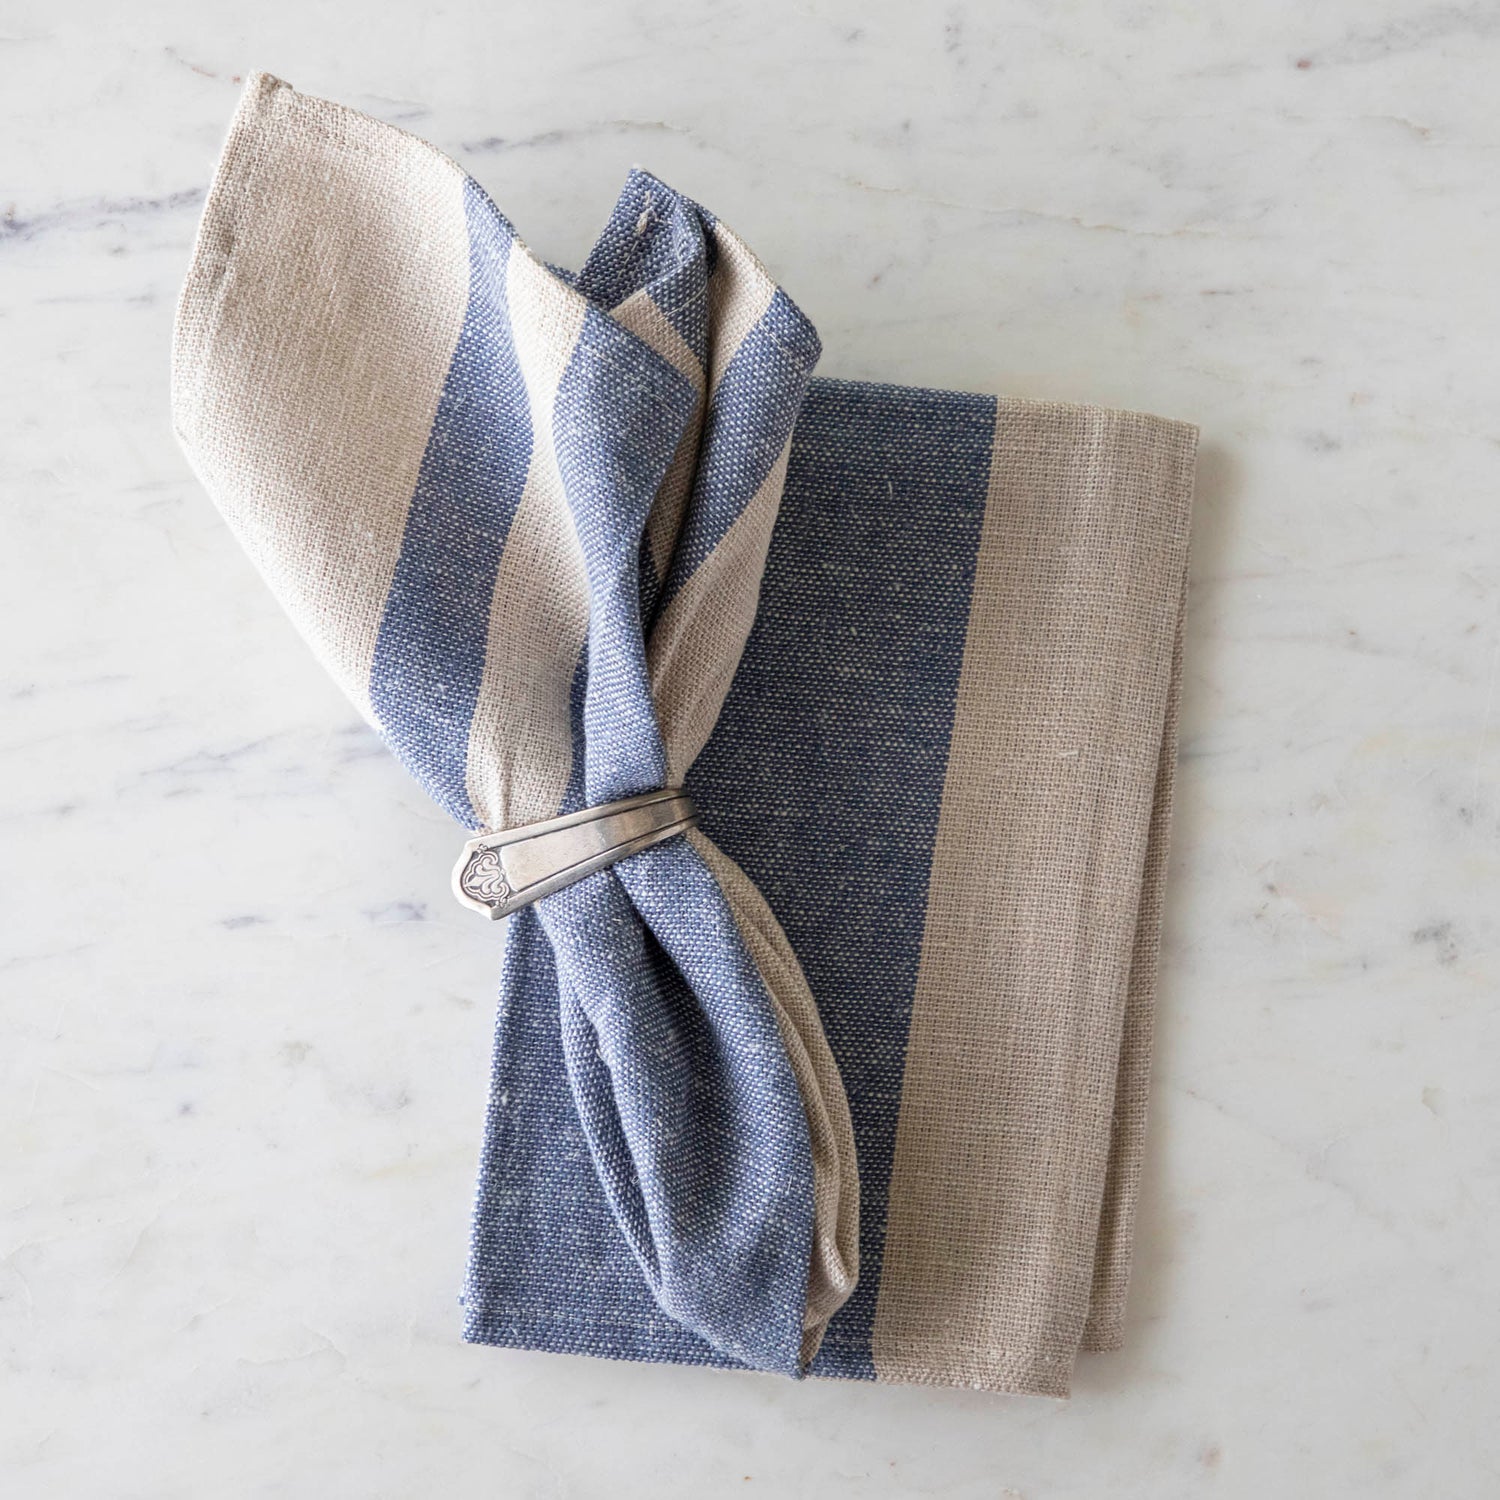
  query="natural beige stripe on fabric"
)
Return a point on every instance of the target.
[
  {"x": 320, "y": 314},
  {"x": 1040, "y": 889},
  {"x": 521, "y": 736},
  {"x": 740, "y": 290},
  {"x": 1105, "y": 1328}
]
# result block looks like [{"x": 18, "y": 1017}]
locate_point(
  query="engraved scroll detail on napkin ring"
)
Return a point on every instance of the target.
[{"x": 499, "y": 873}]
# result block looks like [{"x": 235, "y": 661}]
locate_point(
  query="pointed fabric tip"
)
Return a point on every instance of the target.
[{"x": 523, "y": 520}]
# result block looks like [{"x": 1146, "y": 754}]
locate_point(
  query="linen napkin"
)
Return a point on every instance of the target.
[{"x": 851, "y": 1081}]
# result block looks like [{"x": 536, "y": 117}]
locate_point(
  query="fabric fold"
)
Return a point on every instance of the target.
[
  {"x": 851, "y": 1079},
  {"x": 557, "y": 431}
]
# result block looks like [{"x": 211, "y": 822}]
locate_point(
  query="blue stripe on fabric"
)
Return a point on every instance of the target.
[
  {"x": 749, "y": 419},
  {"x": 606, "y": 277},
  {"x": 548, "y": 1268},
  {"x": 695, "y": 1130},
  {"x": 658, "y": 239},
  {"x": 429, "y": 655},
  {"x": 619, "y": 414},
  {"x": 824, "y": 777}
]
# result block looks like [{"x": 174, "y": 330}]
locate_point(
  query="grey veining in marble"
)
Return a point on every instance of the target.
[{"x": 245, "y": 1027}]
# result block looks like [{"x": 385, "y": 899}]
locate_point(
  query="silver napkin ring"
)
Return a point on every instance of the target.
[{"x": 501, "y": 872}]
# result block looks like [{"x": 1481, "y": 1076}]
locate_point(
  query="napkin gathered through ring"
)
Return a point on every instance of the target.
[{"x": 847, "y": 1074}]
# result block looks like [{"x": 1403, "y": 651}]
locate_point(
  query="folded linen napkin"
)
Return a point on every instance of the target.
[{"x": 850, "y": 1080}]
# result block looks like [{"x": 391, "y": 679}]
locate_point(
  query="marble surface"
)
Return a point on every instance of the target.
[{"x": 245, "y": 1027}]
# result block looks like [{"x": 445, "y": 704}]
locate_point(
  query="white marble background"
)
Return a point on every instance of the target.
[{"x": 245, "y": 1029}]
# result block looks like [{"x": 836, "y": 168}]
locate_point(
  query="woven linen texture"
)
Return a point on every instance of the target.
[
  {"x": 711, "y": 1111},
  {"x": 852, "y": 1081}
]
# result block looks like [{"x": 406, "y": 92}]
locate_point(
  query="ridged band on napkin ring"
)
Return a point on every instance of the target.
[{"x": 499, "y": 873}]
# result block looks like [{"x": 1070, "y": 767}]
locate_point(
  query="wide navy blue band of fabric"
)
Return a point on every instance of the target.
[{"x": 499, "y": 873}]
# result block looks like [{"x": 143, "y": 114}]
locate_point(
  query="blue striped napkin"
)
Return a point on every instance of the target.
[{"x": 850, "y": 1081}]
